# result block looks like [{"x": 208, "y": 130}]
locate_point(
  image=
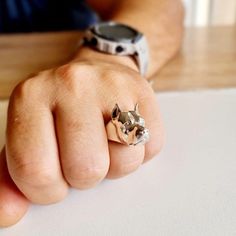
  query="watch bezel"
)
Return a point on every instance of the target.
[{"x": 95, "y": 30}]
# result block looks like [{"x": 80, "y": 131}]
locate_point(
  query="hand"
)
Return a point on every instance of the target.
[{"x": 56, "y": 134}]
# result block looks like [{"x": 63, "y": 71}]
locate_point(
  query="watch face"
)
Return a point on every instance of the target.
[{"x": 117, "y": 32}]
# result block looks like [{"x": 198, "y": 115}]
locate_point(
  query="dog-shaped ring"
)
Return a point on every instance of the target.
[{"x": 127, "y": 127}]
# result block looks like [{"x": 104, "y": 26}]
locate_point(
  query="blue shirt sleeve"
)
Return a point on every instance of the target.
[{"x": 45, "y": 15}]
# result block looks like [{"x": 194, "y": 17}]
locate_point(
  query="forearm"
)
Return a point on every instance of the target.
[{"x": 161, "y": 21}]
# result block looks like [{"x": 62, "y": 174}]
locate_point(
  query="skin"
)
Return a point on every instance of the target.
[{"x": 56, "y": 136}]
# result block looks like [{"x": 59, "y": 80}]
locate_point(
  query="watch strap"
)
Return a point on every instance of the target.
[{"x": 142, "y": 55}]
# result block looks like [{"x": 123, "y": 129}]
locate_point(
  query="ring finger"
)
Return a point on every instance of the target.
[{"x": 124, "y": 159}]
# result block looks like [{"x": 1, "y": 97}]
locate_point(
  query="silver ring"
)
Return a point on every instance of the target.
[{"x": 127, "y": 127}]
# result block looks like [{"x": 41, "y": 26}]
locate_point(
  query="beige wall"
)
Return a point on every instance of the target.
[{"x": 210, "y": 12}]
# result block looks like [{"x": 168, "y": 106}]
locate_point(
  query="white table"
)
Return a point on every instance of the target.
[{"x": 190, "y": 189}]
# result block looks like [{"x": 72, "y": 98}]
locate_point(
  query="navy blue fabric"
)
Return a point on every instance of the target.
[{"x": 45, "y": 15}]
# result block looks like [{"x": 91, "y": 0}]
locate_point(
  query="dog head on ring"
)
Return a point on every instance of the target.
[{"x": 129, "y": 121}]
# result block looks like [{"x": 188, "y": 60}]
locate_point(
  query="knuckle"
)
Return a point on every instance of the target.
[
  {"x": 26, "y": 89},
  {"x": 73, "y": 76},
  {"x": 85, "y": 177},
  {"x": 115, "y": 78},
  {"x": 128, "y": 168},
  {"x": 21, "y": 90},
  {"x": 125, "y": 168},
  {"x": 34, "y": 175},
  {"x": 66, "y": 72},
  {"x": 145, "y": 92}
]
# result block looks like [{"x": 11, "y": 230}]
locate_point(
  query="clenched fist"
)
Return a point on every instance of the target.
[{"x": 56, "y": 136}]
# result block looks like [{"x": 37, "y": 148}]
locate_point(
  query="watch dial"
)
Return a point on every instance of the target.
[{"x": 117, "y": 32}]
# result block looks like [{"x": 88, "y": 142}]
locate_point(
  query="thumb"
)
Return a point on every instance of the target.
[{"x": 13, "y": 204}]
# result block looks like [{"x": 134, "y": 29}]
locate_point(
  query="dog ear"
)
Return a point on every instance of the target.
[
  {"x": 115, "y": 112},
  {"x": 136, "y": 108}
]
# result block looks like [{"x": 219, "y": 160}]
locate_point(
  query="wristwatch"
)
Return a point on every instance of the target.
[{"x": 119, "y": 39}]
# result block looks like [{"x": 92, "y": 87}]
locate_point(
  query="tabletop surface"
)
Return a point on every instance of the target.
[
  {"x": 189, "y": 189},
  {"x": 207, "y": 58}
]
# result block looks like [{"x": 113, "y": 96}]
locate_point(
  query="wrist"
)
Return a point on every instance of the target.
[{"x": 87, "y": 53}]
